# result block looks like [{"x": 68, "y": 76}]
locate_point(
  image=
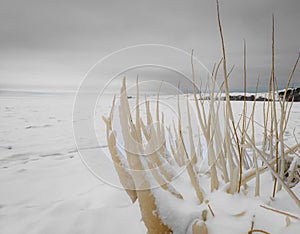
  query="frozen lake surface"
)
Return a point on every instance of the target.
[{"x": 45, "y": 187}]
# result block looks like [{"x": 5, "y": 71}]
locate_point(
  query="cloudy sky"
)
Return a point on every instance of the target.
[{"x": 50, "y": 45}]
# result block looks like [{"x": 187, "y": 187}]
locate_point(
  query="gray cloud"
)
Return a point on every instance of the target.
[{"x": 52, "y": 44}]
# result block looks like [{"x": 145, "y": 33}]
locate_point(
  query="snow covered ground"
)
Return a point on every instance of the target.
[{"x": 45, "y": 187}]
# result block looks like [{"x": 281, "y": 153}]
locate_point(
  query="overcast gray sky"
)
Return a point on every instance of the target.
[{"x": 52, "y": 44}]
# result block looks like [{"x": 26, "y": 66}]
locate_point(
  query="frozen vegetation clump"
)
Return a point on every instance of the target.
[{"x": 224, "y": 170}]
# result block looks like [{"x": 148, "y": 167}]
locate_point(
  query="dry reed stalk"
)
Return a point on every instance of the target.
[
  {"x": 275, "y": 174},
  {"x": 253, "y": 173},
  {"x": 125, "y": 177},
  {"x": 292, "y": 150},
  {"x": 215, "y": 134},
  {"x": 265, "y": 125},
  {"x": 210, "y": 209},
  {"x": 252, "y": 223},
  {"x": 181, "y": 154},
  {"x": 192, "y": 174},
  {"x": 288, "y": 115},
  {"x": 284, "y": 117},
  {"x": 137, "y": 112},
  {"x": 258, "y": 231},
  {"x": 272, "y": 81},
  {"x": 279, "y": 212},
  {"x": 195, "y": 95},
  {"x": 228, "y": 111},
  {"x": 243, "y": 116},
  {"x": 257, "y": 174},
  {"x": 191, "y": 138},
  {"x": 206, "y": 130}
]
